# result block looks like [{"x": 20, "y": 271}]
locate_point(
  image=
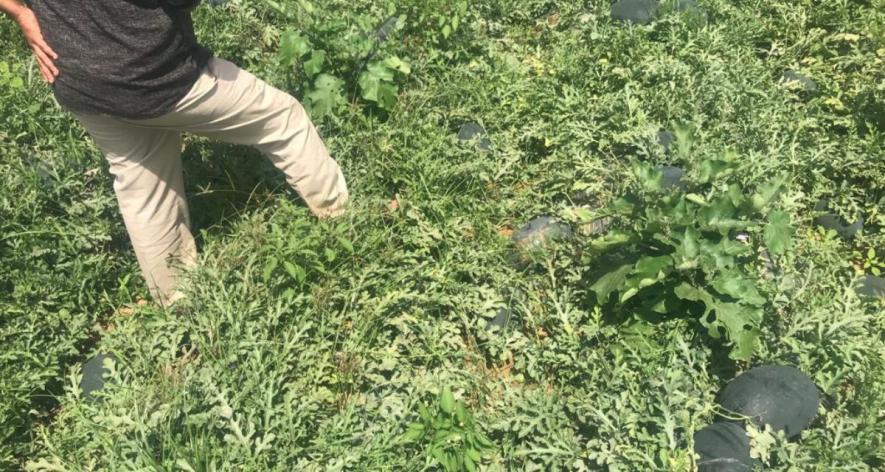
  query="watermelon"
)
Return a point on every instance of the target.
[
  {"x": 871, "y": 287},
  {"x": 665, "y": 139},
  {"x": 470, "y": 131},
  {"x": 673, "y": 177},
  {"x": 723, "y": 447},
  {"x": 800, "y": 81},
  {"x": 384, "y": 31},
  {"x": 635, "y": 11},
  {"x": 780, "y": 396},
  {"x": 686, "y": 5},
  {"x": 93, "y": 375},
  {"x": 540, "y": 231},
  {"x": 502, "y": 318},
  {"x": 840, "y": 226}
]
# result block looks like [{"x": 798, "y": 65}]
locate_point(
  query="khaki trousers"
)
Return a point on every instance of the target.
[{"x": 227, "y": 104}]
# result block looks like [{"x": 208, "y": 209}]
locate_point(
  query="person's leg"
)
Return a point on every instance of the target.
[
  {"x": 149, "y": 183},
  {"x": 232, "y": 105}
]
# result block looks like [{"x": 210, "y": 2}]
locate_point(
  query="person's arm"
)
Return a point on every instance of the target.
[{"x": 27, "y": 21}]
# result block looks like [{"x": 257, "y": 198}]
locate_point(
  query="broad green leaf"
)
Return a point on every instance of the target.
[
  {"x": 768, "y": 191},
  {"x": 346, "y": 244},
  {"x": 720, "y": 215},
  {"x": 461, "y": 413},
  {"x": 684, "y": 140},
  {"x": 297, "y": 272},
  {"x": 653, "y": 266},
  {"x": 734, "y": 248},
  {"x": 469, "y": 465},
  {"x": 611, "y": 282},
  {"x": 439, "y": 454},
  {"x": 738, "y": 199},
  {"x": 397, "y": 64},
  {"x": 778, "y": 233},
  {"x": 623, "y": 206},
  {"x": 376, "y": 85},
  {"x": 744, "y": 344},
  {"x": 688, "y": 250},
  {"x": 424, "y": 412},
  {"x": 292, "y": 46},
  {"x": 695, "y": 198},
  {"x": 733, "y": 317},
  {"x": 269, "y": 267},
  {"x": 647, "y": 272},
  {"x": 628, "y": 294},
  {"x": 737, "y": 286},
  {"x": 414, "y": 432},
  {"x": 649, "y": 177},
  {"x": 740, "y": 324},
  {"x": 664, "y": 303},
  {"x": 387, "y": 95},
  {"x": 379, "y": 71},
  {"x": 721, "y": 254},
  {"x": 326, "y": 95},
  {"x": 314, "y": 65},
  {"x": 712, "y": 169},
  {"x": 687, "y": 292},
  {"x": 614, "y": 238},
  {"x": 447, "y": 400},
  {"x": 330, "y": 254}
]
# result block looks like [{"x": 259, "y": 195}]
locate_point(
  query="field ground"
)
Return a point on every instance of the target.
[{"x": 313, "y": 346}]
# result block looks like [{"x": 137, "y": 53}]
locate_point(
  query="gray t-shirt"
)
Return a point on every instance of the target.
[{"x": 127, "y": 58}]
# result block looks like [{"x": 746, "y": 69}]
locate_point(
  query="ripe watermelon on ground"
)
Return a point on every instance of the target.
[
  {"x": 635, "y": 11},
  {"x": 723, "y": 447},
  {"x": 871, "y": 287},
  {"x": 94, "y": 372},
  {"x": 780, "y": 396},
  {"x": 837, "y": 224},
  {"x": 799, "y": 80},
  {"x": 673, "y": 177},
  {"x": 470, "y": 131},
  {"x": 665, "y": 139},
  {"x": 540, "y": 231}
]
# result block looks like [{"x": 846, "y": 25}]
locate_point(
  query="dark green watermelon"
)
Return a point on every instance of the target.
[
  {"x": 871, "y": 287},
  {"x": 801, "y": 81},
  {"x": 388, "y": 27},
  {"x": 686, "y": 5},
  {"x": 93, "y": 375},
  {"x": 780, "y": 396},
  {"x": 635, "y": 11},
  {"x": 471, "y": 131},
  {"x": 723, "y": 447},
  {"x": 540, "y": 231},
  {"x": 837, "y": 224},
  {"x": 665, "y": 139},
  {"x": 501, "y": 320},
  {"x": 673, "y": 177}
]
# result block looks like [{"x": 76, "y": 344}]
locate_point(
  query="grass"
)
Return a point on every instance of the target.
[{"x": 260, "y": 370}]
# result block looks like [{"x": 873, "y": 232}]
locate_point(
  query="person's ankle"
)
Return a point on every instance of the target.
[{"x": 335, "y": 210}]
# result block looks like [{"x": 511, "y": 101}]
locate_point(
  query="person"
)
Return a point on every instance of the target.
[{"x": 133, "y": 74}]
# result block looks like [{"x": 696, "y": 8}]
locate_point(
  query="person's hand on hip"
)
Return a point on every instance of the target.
[{"x": 30, "y": 28}]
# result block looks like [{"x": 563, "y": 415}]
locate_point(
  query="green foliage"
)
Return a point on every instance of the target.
[
  {"x": 7, "y": 79},
  {"x": 696, "y": 242},
  {"x": 322, "y": 75},
  {"x": 317, "y": 365},
  {"x": 449, "y": 434}
]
